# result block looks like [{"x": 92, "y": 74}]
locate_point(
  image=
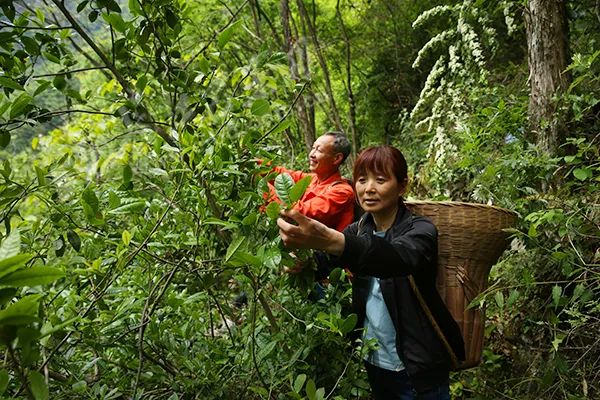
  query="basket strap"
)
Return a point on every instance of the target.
[{"x": 436, "y": 327}]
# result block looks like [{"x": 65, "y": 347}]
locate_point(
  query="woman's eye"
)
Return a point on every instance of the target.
[{"x": 381, "y": 179}]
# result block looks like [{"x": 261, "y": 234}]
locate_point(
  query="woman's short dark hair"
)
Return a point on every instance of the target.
[{"x": 385, "y": 160}]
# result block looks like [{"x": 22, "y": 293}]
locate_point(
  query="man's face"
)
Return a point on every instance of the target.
[{"x": 322, "y": 158}]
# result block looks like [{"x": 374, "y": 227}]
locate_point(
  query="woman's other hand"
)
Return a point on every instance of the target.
[{"x": 307, "y": 233}]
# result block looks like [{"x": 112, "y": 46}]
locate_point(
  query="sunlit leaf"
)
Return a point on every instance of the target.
[
  {"x": 11, "y": 245},
  {"x": 227, "y": 34},
  {"x": 283, "y": 185},
  {"x": 22, "y": 312},
  {"x": 20, "y": 104},
  {"x": 260, "y": 107},
  {"x": 234, "y": 247},
  {"x": 582, "y": 173},
  {"x": 556, "y": 294},
  {"x": 348, "y": 324},
  {"x": 299, "y": 383},
  {"x": 272, "y": 210},
  {"x": 297, "y": 191},
  {"x": 32, "y": 276},
  {"x": 39, "y": 389},
  {"x": 10, "y": 83}
]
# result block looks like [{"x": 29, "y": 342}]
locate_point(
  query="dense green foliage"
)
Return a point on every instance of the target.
[{"x": 130, "y": 191}]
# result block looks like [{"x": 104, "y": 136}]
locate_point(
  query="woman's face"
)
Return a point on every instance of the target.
[{"x": 378, "y": 193}]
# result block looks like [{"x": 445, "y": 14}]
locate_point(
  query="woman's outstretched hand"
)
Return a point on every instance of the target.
[{"x": 306, "y": 233}]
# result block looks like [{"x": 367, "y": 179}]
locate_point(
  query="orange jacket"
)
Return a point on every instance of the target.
[{"x": 330, "y": 201}]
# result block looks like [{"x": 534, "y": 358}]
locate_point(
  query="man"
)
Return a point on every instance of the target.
[{"x": 329, "y": 198}]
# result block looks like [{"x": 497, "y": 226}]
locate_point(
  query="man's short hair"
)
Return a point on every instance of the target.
[{"x": 341, "y": 144}]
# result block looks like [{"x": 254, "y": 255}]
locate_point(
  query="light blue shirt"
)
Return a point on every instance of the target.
[{"x": 378, "y": 325}]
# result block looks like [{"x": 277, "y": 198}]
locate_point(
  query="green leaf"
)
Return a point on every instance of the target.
[
  {"x": 311, "y": 390},
  {"x": 297, "y": 191},
  {"x": 320, "y": 393},
  {"x": 38, "y": 386},
  {"x": 499, "y": 297},
  {"x": 4, "y": 379},
  {"x": 82, "y": 5},
  {"x": 74, "y": 239},
  {"x": 272, "y": 210},
  {"x": 514, "y": 295},
  {"x": 250, "y": 219},
  {"x": 10, "y": 83},
  {"x": 127, "y": 174},
  {"x": 116, "y": 21},
  {"x": 31, "y": 45},
  {"x": 260, "y": 107},
  {"x": 79, "y": 387},
  {"x": 42, "y": 87},
  {"x": 112, "y": 5},
  {"x": 6, "y": 295},
  {"x": 227, "y": 34},
  {"x": 41, "y": 176},
  {"x": 582, "y": 173},
  {"x": 299, "y": 383},
  {"x": 126, "y": 237},
  {"x": 283, "y": 185},
  {"x": 49, "y": 329},
  {"x": 141, "y": 82},
  {"x": 281, "y": 127},
  {"x": 135, "y": 8},
  {"x": 59, "y": 82},
  {"x": 11, "y": 264},
  {"x": 19, "y": 106},
  {"x": 556, "y": 293},
  {"x": 32, "y": 276},
  {"x": 348, "y": 324},
  {"x": 22, "y": 312},
  {"x": 171, "y": 18},
  {"x": 335, "y": 275},
  {"x": 234, "y": 247},
  {"x": 129, "y": 207},
  {"x": 4, "y": 138},
  {"x": 89, "y": 198}
]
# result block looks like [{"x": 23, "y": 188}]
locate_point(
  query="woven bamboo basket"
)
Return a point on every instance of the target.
[{"x": 471, "y": 238}]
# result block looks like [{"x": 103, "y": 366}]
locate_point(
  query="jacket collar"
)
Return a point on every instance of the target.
[{"x": 403, "y": 219}]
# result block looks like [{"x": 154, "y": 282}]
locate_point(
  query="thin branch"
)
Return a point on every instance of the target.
[
  {"x": 285, "y": 115},
  {"x": 214, "y": 35},
  {"x": 38, "y": 28},
  {"x": 68, "y": 72}
]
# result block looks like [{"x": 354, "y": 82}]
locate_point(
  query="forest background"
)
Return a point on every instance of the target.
[{"x": 129, "y": 188}]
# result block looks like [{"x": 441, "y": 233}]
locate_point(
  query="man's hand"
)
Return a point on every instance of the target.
[{"x": 308, "y": 233}]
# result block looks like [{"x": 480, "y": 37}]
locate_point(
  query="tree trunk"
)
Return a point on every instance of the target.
[
  {"x": 351, "y": 102},
  {"x": 324, "y": 69},
  {"x": 289, "y": 48},
  {"x": 547, "y": 46}
]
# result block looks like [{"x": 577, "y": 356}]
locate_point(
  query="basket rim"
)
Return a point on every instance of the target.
[{"x": 460, "y": 204}]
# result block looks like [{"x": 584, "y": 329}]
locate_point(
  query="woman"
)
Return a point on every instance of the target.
[{"x": 393, "y": 255}]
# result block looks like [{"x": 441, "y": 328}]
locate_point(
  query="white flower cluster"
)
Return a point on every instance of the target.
[
  {"x": 435, "y": 11},
  {"x": 441, "y": 152},
  {"x": 429, "y": 88},
  {"x": 509, "y": 18}
]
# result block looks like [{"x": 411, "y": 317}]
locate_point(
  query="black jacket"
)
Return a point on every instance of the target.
[{"x": 406, "y": 260}]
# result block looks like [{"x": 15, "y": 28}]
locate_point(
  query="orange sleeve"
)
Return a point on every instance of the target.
[
  {"x": 296, "y": 175},
  {"x": 329, "y": 206}
]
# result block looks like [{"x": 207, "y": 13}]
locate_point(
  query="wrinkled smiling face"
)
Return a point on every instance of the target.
[
  {"x": 378, "y": 193},
  {"x": 322, "y": 157}
]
